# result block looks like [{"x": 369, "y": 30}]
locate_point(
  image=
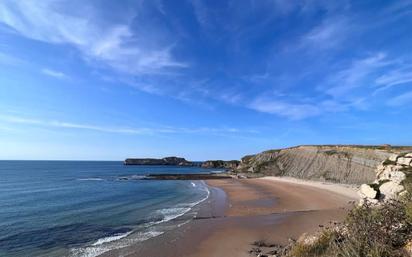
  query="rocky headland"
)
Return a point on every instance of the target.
[
  {"x": 393, "y": 180},
  {"x": 175, "y": 161},
  {"x": 349, "y": 164},
  {"x": 178, "y": 161}
]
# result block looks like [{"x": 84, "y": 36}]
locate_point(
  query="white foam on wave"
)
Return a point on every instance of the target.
[
  {"x": 131, "y": 177},
  {"x": 90, "y": 179},
  {"x": 111, "y": 243},
  {"x": 111, "y": 238},
  {"x": 119, "y": 241},
  {"x": 173, "y": 213}
]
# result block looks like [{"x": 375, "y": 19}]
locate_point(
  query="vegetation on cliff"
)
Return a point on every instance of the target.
[
  {"x": 380, "y": 226},
  {"x": 366, "y": 232}
]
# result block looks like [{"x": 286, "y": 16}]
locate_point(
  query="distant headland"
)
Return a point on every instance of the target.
[{"x": 179, "y": 161}]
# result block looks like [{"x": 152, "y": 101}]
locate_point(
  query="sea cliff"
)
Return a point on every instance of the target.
[{"x": 350, "y": 164}]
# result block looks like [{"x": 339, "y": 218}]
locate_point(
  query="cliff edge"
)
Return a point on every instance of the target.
[{"x": 349, "y": 164}]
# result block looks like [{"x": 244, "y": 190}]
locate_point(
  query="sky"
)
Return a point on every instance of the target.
[{"x": 107, "y": 80}]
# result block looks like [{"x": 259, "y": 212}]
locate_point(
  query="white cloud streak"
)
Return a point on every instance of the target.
[
  {"x": 395, "y": 77},
  {"x": 114, "y": 45},
  {"x": 54, "y": 73},
  {"x": 355, "y": 75},
  {"x": 121, "y": 130},
  {"x": 8, "y": 60},
  {"x": 401, "y": 100},
  {"x": 330, "y": 33},
  {"x": 290, "y": 110}
]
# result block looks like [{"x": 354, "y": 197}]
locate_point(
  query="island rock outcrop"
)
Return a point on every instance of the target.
[{"x": 176, "y": 161}]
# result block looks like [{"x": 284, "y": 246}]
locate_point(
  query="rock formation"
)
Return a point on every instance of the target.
[
  {"x": 336, "y": 163},
  {"x": 177, "y": 161},
  {"x": 393, "y": 179},
  {"x": 219, "y": 164}
]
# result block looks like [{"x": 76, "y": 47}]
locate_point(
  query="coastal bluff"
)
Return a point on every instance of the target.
[{"x": 350, "y": 164}]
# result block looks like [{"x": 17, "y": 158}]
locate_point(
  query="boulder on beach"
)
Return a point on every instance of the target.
[{"x": 366, "y": 191}]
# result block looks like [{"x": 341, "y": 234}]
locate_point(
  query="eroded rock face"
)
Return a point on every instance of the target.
[
  {"x": 393, "y": 157},
  {"x": 220, "y": 164},
  {"x": 342, "y": 164},
  {"x": 404, "y": 161},
  {"x": 390, "y": 180},
  {"x": 390, "y": 190}
]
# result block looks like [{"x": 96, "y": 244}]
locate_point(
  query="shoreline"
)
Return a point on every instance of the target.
[
  {"x": 183, "y": 236},
  {"x": 270, "y": 208}
]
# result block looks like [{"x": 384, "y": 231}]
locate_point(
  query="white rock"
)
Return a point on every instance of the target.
[
  {"x": 390, "y": 190},
  {"x": 403, "y": 193},
  {"x": 388, "y": 170},
  {"x": 397, "y": 176},
  {"x": 384, "y": 175},
  {"x": 405, "y": 161},
  {"x": 379, "y": 170},
  {"x": 393, "y": 157},
  {"x": 394, "y": 167},
  {"x": 380, "y": 167},
  {"x": 367, "y": 191},
  {"x": 408, "y": 155}
]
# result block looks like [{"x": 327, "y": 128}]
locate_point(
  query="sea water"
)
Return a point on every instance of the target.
[{"x": 82, "y": 208}]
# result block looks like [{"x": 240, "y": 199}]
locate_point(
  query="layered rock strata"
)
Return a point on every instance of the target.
[{"x": 335, "y": 163}]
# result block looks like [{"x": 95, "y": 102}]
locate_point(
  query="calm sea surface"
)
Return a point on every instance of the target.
[{"x": 76, "y": 208}]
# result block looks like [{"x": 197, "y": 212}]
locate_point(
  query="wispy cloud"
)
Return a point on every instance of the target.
[
  {"x": 376, "y": 72},
  {"x": 54, "y": 73},
  {"x": 356, "y": 75},
  {"x": 400, "y": 100},
  {"x": 395, "y": 77},
  {"x": 9, "y": 60},
  {"x": 330, "y": 33},
  {"x": 293, "y": 111},
  {"x": 201, "y": 12},
  {"x": 123, "y": 130},
  {"x": 114, "y": 45}
]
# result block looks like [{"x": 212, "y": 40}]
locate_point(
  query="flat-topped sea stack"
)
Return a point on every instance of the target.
[{"x": 175, "y": 161}]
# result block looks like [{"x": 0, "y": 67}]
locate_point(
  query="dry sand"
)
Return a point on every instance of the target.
[{"x": 273, "y": 209}]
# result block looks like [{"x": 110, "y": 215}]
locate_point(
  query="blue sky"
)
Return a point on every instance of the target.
[{"x": 106, "y": 80}]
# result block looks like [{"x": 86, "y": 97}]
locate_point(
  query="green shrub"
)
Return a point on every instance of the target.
[{"x": 366, "y": 232}]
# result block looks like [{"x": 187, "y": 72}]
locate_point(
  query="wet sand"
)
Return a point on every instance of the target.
[{"x": 239, "y": 212}]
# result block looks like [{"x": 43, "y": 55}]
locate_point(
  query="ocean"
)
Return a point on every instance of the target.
[{"x": 85, "y": 208}]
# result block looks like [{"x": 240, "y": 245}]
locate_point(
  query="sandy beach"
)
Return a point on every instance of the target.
[{"x": 241, "y": 211}]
